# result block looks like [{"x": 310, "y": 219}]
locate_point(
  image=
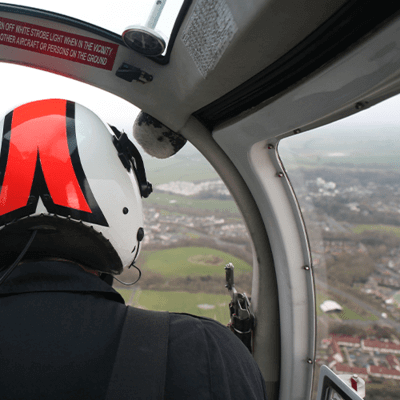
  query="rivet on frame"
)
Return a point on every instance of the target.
[{"x": 359, "y": 106}]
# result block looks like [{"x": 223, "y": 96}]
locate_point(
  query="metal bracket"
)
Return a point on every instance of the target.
[{"x": 131, "y": 73}]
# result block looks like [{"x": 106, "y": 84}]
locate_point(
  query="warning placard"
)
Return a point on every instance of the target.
[{"x": 77, "y": 48}]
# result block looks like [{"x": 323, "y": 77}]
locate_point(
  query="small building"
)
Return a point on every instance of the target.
[
  {"x": 383, "y": 372},
  {"x": 335, "y": 351},
  {"x": 329, "y": 306},
  {"x": 380, "y": 346},
  {"x": 346, "y": 340},
  {"x": 393, "y": 362},
  {"x": 341, "y": 369}
]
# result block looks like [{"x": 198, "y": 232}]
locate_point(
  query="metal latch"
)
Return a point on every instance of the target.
[{"x": 242, "y": 321}]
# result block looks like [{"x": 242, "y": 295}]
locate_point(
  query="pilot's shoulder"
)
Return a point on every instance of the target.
[
  {"x": 212, "y": 333},
  {"x": 212, "y": 346},
  {"x": 205, "y": 334},
  {"x": 195, "y": 326}
]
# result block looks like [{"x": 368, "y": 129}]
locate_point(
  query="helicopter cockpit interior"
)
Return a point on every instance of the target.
[{"x": 248, "y": 84}]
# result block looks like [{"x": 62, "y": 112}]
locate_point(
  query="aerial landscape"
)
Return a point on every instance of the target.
[
  {"x": 352, "y": 213},
  {"x": 352, "y": 218},
  {"x": 348, "y": 191},
  {"x": 192, "y": 230}
]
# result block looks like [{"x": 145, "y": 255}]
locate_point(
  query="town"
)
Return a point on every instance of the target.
[
  {"x": 173, "y": 224},
  {"x": 353, "y": 223},
  {"x": 352, "y": 217},
  {"x": 355, "y": 236},
  {"x": 367, "y": 358}
]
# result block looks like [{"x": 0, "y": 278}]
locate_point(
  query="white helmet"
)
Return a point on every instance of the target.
[{"x": 66, "y": 174}]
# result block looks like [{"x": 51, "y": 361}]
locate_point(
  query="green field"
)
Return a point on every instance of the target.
[
  {"x": 160, "y": 199},
  {"x": 349, "y": 314},
  {"x": 395, "y": 230},
  {"x": 185, "y": 261},
  {"x": 181, "y": 302},
  {"x": 186, "y": 303},
  {"x": 189, "y": 303},
  {"x": 194, "y": 261}
]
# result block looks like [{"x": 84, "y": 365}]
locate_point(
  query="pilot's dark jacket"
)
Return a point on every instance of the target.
[{"x": 59, "y": 332}]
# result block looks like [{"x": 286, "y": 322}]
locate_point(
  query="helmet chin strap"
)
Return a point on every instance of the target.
[{"x": 11, "y": 268}]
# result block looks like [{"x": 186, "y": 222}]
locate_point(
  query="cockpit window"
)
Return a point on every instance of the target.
[
  {"x": 347, "y": 181},
  {"x": 193, "y": 229}
]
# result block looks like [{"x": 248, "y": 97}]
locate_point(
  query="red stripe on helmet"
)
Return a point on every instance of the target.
[{"x": 39, "y": 130}]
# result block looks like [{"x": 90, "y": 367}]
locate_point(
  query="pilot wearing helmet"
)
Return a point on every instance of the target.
[{"x": 70, "y": 218}]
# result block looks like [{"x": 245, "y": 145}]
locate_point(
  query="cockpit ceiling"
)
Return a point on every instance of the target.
[
  {"x": 232, "y": 41},
  {"x": 344, "y": 28},
  {"x": 228, "y": 56}
]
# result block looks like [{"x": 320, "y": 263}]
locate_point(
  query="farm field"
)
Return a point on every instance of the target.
[
  {"x": 203, "y": 261},
  {"x": 159, "y": 199},
  {"x": 348, "y": 312},
  {"x": 395, "y": 230},
  {"x": 185, "y": 262},
  {"x": 202, "y": 304},
  {"x": 194, "y": 261}
]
